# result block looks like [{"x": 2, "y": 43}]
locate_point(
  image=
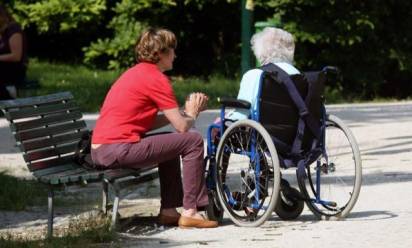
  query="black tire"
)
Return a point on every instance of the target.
[
  {"x": 338, "y": 172},
  {"x": 247, "y": 173},
  {"x": 289, "y": 207},
  {"x": 214, "y": 211}
]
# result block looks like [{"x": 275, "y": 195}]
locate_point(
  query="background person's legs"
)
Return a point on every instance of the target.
[
  {"x": 11, "y": 75},
  {"x": 4, "y": 94}
]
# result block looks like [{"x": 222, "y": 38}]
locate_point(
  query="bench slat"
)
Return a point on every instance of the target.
[
  {"x": 72, "y": 176},
  {"x": 42, "y": 110},
  {"x": 42, "y": 132},
  {"x": 50, "y": 163},
  {"x": 30, "y": 101},
  {"x": 51, "y": 152},
  {"x": 61, "y": 177},
  {"x": 40, "y": 122},
  {"x": 55, "y": 169},
  {"x": 90, "y": 176},
  {"x": 50, "y": 141}
]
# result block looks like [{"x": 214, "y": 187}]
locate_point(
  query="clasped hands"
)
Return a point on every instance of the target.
[{"x": 195, "y": 103}]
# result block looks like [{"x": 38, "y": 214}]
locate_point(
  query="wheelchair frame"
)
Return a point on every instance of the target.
[{"x": 312, "y": 196}]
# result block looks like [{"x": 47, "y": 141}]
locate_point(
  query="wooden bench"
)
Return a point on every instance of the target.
[{"x": 47, "y": 130}]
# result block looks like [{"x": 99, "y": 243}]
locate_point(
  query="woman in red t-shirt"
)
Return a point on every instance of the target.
[{"x": 130, "y": 110}]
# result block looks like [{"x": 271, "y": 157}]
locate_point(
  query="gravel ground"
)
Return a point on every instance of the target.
[{"x": 382, "y": 216}]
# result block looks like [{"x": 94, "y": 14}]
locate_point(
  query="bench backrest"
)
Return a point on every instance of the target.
[{"x": 46, "y": 128}]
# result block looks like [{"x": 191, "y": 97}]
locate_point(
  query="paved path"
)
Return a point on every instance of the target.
[{"x": 382, "y": 216}]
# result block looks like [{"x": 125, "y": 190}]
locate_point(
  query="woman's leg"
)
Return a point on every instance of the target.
[
  {"x": 11, "y": 74},
  {"x": 171, "y": 191},
  {"x": 163, "y": 149}
]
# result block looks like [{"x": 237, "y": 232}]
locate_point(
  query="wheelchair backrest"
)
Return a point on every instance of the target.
[{"x": 278, "y": 112}]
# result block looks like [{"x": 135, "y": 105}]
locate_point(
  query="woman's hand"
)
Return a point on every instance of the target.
[{"x": 195, "y": 103}]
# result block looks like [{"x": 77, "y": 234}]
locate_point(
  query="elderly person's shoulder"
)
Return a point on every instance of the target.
[{"x": 252, "y": 74}]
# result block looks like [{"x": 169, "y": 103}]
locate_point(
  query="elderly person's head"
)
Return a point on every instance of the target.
[{"x": 273, "y": 45}]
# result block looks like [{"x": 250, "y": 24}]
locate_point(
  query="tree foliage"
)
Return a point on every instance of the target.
[
  {"x": 191, "y": 21},
  {"x": 59, "y": 15},
  {"x": 371, "y": 41}
]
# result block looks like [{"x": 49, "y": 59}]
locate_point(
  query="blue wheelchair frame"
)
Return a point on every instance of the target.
[{"x": 255, "y": 116}]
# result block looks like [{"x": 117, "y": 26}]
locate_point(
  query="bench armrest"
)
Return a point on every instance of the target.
[{"x": 234, "y": 103}]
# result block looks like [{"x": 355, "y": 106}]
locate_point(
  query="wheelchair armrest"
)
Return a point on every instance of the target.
[{"x": 234, "y": 103}]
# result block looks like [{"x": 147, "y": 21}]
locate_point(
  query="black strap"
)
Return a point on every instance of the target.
[
  {"x": 82, "y": 154},
  {"x": 305, "y": 117}
]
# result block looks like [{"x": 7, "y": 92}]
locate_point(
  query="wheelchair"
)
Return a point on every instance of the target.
[{"x": 288, "y": 127}]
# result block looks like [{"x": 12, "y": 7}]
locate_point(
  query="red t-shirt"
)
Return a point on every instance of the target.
[{"x": 132, "y": 103}]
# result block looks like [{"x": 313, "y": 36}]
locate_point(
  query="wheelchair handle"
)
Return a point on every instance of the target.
[{"x": 332, "y": 70}]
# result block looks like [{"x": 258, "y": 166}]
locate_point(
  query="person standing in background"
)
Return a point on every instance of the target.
[{"x": 13, "y": 55}]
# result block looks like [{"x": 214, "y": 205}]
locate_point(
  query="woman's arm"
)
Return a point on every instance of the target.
[
  {"x": 16, "y": 49},
  {"x": 194, "y": 105},
  {"x": 180, "y": 122},
  {"x": 160, "y": 121}
]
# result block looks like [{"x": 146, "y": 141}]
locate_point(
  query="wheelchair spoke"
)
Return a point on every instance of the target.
[
  {"x": 249, "y": 198},
  {"x": 333, "y": 182}
]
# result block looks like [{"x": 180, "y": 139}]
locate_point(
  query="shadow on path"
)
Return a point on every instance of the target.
[{"x": 371, "y": 215}]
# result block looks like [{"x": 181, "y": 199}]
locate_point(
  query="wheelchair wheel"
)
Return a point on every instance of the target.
[
  {"x": 334, "y": 180},
  {"x": 247, "y": 175},
  {"x": 289, "y": 205}
]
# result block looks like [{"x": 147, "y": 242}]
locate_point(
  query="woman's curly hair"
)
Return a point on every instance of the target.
[{"x": 152, "y": 42}]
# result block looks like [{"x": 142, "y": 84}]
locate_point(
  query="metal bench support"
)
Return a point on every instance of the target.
[{"x": 50, "y": 213}]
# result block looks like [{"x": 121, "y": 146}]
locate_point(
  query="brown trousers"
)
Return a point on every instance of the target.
[{"x": 165, "y": 150}]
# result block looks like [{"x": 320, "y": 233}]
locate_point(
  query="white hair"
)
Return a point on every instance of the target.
[{"x": 273, "y": 45}]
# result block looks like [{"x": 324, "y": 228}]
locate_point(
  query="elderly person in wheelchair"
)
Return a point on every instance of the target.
[
  {"x": 272, "y": 45},
  {"x": 279, "y": 121}
]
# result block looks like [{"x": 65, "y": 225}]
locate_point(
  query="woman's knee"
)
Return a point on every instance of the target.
[{"x": 196, "y": 138}]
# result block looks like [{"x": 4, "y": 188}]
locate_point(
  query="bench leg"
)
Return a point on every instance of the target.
[
  {"x": 105, "y": 197},
  {"x": 115, "y": 210},
  {"x": 50, "y": 213}
]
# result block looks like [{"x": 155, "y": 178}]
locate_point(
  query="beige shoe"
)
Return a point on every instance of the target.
[{"x": 187, "y": 222}]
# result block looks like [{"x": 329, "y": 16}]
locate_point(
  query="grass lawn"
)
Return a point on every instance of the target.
[
  {"x": 18, "y": 194},
  {"x": 90, "y": 86},
  {"x": 92, "y": 231}
]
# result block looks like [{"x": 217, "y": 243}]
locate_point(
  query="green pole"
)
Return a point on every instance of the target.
[{"x": 247, "y": 19}]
